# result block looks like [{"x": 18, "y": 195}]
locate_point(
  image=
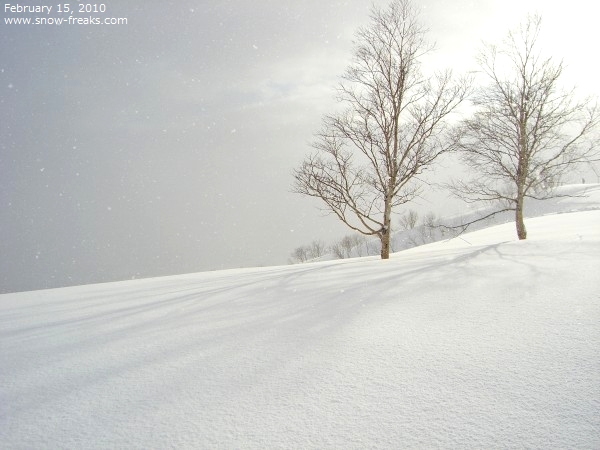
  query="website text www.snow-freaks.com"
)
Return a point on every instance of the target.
[
  {"x": 60, "y": 14},
  {"x": 62, "y": 21}
]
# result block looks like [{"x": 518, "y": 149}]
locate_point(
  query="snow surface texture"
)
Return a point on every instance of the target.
[{"x": 477, "y": 342}]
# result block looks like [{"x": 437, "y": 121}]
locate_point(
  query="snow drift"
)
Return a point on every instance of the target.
[{"x": 477, "y": 342}]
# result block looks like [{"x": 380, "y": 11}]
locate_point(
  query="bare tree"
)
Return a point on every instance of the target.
[
  {"x": 409, "y": 220},
  {"x": 526, "y": 132},
  {"x": 337, "y": 250},
  {"x": 369, "y": 156},
  {"x": 348, "y": 243},
  {"x": 317, "y": 249},
  {"x": 361, "y": 245},
  {"x": 299, "y": 255},
  {"x": 429, "y": 227},
  {"x": 305, "y": 253},
  {"x": 349, "y": 246}
]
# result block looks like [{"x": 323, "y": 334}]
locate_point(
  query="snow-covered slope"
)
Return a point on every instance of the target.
[
  {"x": 478, "y": 342},
  {"x": 569, "y": 198}
]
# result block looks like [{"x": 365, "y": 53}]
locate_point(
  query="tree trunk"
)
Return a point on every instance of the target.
[
  {"x": 385, "y": 244},
  {"x": 521, "y": 230},
  {"x": 522, "y": 171},
  {"x": 384, "y": 234}
]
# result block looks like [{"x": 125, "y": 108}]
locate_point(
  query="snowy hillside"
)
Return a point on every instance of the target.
[
  {"x": 570, "y": 198},
  {"x": 478, "y": 342}
]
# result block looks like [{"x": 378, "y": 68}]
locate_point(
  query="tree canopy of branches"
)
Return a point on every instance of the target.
[
  {"x": 368, "y": 156},
  {"x": 526, "y": 132}
]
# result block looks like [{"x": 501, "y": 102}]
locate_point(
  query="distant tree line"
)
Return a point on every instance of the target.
[{"x": 414, "y": 231}]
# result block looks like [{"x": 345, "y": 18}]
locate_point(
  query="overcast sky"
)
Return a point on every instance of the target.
[{"x": 166, "y": 145}]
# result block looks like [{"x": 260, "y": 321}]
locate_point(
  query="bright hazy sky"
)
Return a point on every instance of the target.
[{"x": 166, "y": 145}]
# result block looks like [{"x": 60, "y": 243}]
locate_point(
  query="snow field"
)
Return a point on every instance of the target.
[{"x": 476, "y": 342}]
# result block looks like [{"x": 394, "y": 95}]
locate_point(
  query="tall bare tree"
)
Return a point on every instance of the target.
[
  {"x": 526, "y": 132},
  {"x": 369, "y": 155}
]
